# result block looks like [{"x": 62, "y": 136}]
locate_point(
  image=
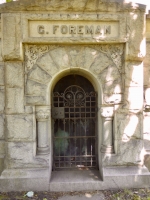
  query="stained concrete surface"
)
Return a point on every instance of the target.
[{"x": 86, "y": 196}]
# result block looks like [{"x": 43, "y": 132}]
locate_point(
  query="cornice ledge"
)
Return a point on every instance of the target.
[{"x": 67, "y": 5}]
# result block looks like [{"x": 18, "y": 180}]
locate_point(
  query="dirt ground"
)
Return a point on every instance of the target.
[{"x": 135, "y": 194}]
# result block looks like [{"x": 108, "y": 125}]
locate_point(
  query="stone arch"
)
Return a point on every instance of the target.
[
  {"x": 45, "y": 62},
  {"x": 96, "y": 84}
]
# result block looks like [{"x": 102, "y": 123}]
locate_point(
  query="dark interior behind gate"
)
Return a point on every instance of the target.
[{"x": 74, "y": 116}]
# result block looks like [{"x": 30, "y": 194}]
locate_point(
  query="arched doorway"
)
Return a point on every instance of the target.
[{"x": 74, "y": 113}]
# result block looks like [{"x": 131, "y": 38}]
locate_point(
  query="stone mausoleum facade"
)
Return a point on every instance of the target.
[{"x": 74, "y": 95}]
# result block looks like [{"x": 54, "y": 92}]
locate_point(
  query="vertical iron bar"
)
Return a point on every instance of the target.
[
  {"x": 85, "y": 129},
  {"x": 69, "y": 139},
  {"x": 65, "y": 142},
  {"x": 75, "y": 140},
  {"x": 91, "y": 152},
  {"x": 80, "y": 150},
  {"x": 59, "y": 145}
]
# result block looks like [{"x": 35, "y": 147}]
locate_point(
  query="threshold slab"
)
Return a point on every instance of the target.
[{"x": 114, "y": 178}]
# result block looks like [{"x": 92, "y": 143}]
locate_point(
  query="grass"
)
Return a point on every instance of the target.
[{"x": 127, "y": 194}]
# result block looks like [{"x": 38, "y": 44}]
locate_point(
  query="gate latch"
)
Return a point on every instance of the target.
[{"x": 58, "y": 113}]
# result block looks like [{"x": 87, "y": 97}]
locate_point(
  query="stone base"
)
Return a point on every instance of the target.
[
  {"x": 107, "y": 149},
  {"x": 24, "y": 180},
  {"x": 43, "y": 150},
  {"x": 114, "y": 178},
  {"x": 38, "y": 179}
]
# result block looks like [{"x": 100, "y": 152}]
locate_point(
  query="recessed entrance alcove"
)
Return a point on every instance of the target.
[
  {"x": 74, "y": 114},
  {"x": 75, "y": 135}
]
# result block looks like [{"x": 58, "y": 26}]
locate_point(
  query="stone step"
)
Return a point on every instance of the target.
[{"x": 114, "y": 178}]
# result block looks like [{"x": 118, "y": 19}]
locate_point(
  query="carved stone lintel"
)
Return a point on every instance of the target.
[
  {"x": 42, "y": 113},
  {"x": 107, "y": 112}
]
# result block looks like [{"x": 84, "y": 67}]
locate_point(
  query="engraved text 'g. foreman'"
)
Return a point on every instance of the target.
[
  {"x": 79, "y": 29},
  {"x": 73, "y": 29}
]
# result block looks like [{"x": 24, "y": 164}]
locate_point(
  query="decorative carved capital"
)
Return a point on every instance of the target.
[
  {"x": 42, "y": 113},
  {"x": 107, "y": 112}
]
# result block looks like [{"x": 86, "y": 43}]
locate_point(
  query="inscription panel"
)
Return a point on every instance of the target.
[{"x": 86, "y": 29}]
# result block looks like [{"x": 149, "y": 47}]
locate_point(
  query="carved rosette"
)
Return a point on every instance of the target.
[{"x": 42, "y": 113}]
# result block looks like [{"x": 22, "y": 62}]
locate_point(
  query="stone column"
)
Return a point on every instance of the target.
[
  {"x": 42, "y": 116},
  {"x": 107, "y": 135}
]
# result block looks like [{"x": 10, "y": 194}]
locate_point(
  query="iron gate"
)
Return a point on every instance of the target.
[{"x": 74, "y": 114}]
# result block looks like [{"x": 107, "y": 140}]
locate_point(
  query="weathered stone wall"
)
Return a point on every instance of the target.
[
  {"x": 20, "y": 128},
  {"x": 146, "y": 117},
  {"x": 19, "y": 120},
  {"x": 31, "y": 63},
  {"x": 2, "y": 108}
]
